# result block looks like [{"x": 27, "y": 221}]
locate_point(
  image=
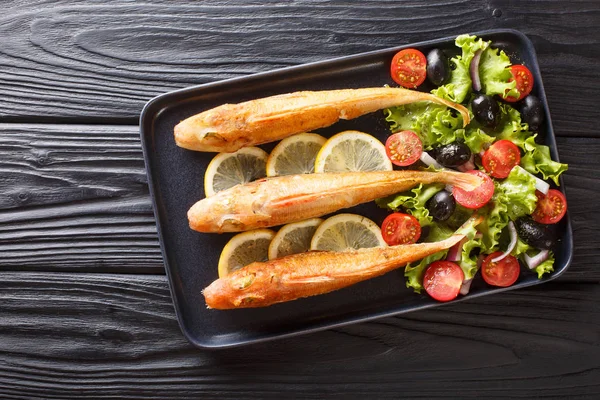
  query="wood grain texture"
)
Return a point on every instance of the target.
[
  {"x": 115, "y": 336},
  {"x": 82, "y": 62},
  {"x": 76, "y": 199}
]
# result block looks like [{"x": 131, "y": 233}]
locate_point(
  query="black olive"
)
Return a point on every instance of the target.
[
  {"x": 438, "y": 70},
  {"x": 441, "y": 206},
  {"x": 486, "y": 110},
  {"x": 532, "y": 112},
  {"x": 453, "y": 154},
  {"x": 535, "y": 234}
]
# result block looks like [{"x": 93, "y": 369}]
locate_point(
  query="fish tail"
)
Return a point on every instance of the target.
[
  {"x": 466, "y": 182},
  {"x": 464, "y": 113},
  {"x": 469, "y": 224}
]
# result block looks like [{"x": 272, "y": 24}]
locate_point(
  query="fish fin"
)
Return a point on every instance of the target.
[
  {"x": 464, "y": 112},
  {"x": 465, "y": 181}
]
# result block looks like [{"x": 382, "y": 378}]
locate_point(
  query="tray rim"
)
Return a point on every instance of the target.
[{"x": 154, "y": 107}]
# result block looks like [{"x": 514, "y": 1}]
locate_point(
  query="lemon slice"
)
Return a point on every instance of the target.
[
  {"x": 243, "y": 249},
  {"x": 352, "y": 151},
  {"x": 295, "y": 155},
  {"x": 293, "y": 238},
  {"x": 229, "y": 169},
  {"x": 346, "y": 232}
]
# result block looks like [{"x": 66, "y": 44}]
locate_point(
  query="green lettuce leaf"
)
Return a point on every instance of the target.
[
  {"x": 477, "y": 139},
  {"x": 546, "y": 267},
  {"x": 413, "y": 201},
  {"x": 492, "y": 226},
  {"x": 468, "y": 262},
  {"x": 536, "y": 158},
  {"x": 413, "y": 272},
  {"x": 521, "y": 248},
  {"x": 495, "y": 74},
  {"x": 438, "y": 232},
  {"x": 405, "y": 117},
  {"x": 517, "y": 191},
  {"x": 513, "y": 197},
  {"x": 434, "y": 124},
  {"x": 459, "y": 86},
  {"x": 539, "y": 161},
  {"x": 494, "y": 71}
]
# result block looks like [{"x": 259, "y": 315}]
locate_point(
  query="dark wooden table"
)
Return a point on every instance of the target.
[{"x": 85, "y": 309}]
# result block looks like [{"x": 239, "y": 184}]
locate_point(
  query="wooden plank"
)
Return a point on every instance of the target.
[
  {"x": 74, "y": 336},
  {"x": 76, "y": 61},
  {"x": 76, "y": 199}
]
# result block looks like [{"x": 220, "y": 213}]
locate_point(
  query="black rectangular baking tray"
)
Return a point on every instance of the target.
[{"x": 176, "y": 178}]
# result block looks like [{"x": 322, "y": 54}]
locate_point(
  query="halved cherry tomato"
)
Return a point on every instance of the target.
[
  {"x": 403, "y": 148},
  {"x": 550, "y": 207},
  {"x": 443, "y": 280},
  {"x": 524, "y": 78},
  {"x": 479, "y": 196},
  {"x": 399, "y": 228},
  {"x": 502, "y": 273},
  {"x": 409, "y": 68},
  {"x": 500, "y": 158}
]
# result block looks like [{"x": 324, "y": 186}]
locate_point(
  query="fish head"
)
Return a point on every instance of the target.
[
  {"x": 215, "y": 130},
  {"x": 241, "y": 289},
  {"x": 194, "y": 136},
  {"x": 214, "y": 215},
  {"x": 236, "y": 209}
]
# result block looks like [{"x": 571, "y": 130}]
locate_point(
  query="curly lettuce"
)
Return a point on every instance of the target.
[
  {"x": 494, "y": 71},
  {"x": 495, "y": 75},
  {"x": 536, "y": 158},
  {"x": 514, "y": 197},
  {"x": 414, "y": 201},
  {"x": 459, "y": 86},
  {"x": 546, "y": 267},
  {"x": 434, "y": 124},
  {"x": 477, "y": 139}
]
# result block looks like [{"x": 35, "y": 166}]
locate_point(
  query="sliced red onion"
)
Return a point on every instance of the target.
[
  {"x": 474, "y": 70},
  {"x": 513, "y": 242},
  {"x": 466, "y": 286},
  {"x": 468, "y": 166},
  {"x": 427, "y": 159},
  {"x": 478, "y": 235},
  {"x": 480, "y": 260},
  {"x": 536, "y": 260},
  {"x": 455, "y": 252}
]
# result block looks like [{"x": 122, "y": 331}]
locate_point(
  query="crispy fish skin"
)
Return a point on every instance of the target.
[
  {"x": 229, "y": 127},
  {"x": 262, "y": 284},
  {"x": 284, "y": 199}
]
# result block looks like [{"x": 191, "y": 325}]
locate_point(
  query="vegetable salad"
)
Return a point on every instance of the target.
[{"x": 499, "y": 143}]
